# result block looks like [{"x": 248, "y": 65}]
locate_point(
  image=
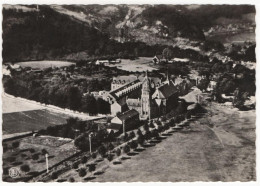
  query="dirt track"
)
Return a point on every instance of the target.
[{"x": 225, "y": 152}]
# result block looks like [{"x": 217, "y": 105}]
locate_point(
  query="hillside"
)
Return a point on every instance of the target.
[{"x": 76, "y": 32}]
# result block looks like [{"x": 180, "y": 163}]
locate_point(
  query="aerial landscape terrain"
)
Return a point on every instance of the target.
[{"x": 128, "y": 93}]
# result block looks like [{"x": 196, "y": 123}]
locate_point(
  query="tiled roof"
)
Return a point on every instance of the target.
[
  {"x": 128, "y": 114},
  {"x": 124, "y": 79}
]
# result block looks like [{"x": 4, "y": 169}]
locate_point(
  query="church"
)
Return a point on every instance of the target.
[{"x": 149, "y": 96}]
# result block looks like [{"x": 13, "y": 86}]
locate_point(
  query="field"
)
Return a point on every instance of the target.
[
  {"x": 31, "y": 120},
  {"x": 58, "y": 149},
  {"x": 44, "y": 64},
  {"x": 234, "y": 38},
  {"x": 139, "y": 65},
  {"x": 225, "y": 152}
]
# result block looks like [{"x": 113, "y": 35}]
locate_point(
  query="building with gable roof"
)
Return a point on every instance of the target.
[{"x": 149, "y": 96}]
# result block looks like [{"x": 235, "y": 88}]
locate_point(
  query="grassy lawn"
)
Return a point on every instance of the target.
[
  {"x": 31, "y": 120},
  {"x": 57, "y": 148},
  {"x": 44, "y": 64},
  {"x": 225, "y": 152},
  {"x": 139, "y": 65}
]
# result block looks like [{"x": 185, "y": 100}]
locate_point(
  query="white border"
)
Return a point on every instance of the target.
[{"x": 252, "y": 2}]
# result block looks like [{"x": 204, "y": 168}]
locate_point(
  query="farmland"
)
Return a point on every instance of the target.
[{"x": 44, "y": 64}]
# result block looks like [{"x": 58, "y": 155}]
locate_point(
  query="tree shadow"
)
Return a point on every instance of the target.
[
  {"x": 132, "y": 153},
  {"x": 40, "y": 161},
  {"x": 89, "y": 178},
  {"x": 50, "y": 157},
  {"x": 117, "y": 162},
  {"x": 139, "y": 150},
  {"x": 99, "y": 173},
  {"x": 33, "y": 173},
  {"x": 125, "y": 158},
  {"x": 99, "y": 160},
  {"x": 148, "y": 145},
  {"x": 168, "y": 134},
  {"x": 156, "y": 141}
]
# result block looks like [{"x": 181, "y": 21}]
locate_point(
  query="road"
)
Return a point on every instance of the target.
[{"x": 225, "y": 152}]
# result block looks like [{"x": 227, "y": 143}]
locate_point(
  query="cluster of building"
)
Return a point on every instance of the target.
[{"x": 135, "y": 98}]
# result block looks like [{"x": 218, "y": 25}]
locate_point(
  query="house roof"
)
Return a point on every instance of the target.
[
  {"x": 128, "y": 114},
  {"x": 124, "y": 79},
  {"x": 114, "y": 126}
]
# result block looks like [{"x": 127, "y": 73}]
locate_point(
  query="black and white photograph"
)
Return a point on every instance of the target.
[{"x": 128, "y": 92}]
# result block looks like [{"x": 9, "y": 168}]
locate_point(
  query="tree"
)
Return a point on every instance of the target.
[
  {"x": 155, "y": 133},
  {"x": 110, "y": 146},
  {"x": 133, "y": 145},
  {"x": 89, "y": 104},
  {"x": 75, "y": 165},
  {"x": 73, "y": 98},
  {"x": 25, "y": 168},
  {"x": 82, "y": 172},
  {"x": 82, "y": 142},
  {"x": 84, "y": 159},
  {"x": 132, "y": 135},
  {"x": 102, "y": 151},
  {"x": 44, "y": 151},
  {"x": 16, "y": 144},
  {"x": 167, "y": 53},
  {"x": 147, "y": 135},
  {"x": 35, "y": 156},
  {"x": 93, "y": 155},
  {"x": 103, "y": 107},
  {"x": 126, "y": 149},
  {"x": 118, "y": 152},
  {"x": 54, "y": 175},
  {"x": 140, "y": 140},
  {"x": 110, "y": 157},
  {"x": 91, "y": 167}
]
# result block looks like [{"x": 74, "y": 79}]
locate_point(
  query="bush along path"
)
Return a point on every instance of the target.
[{"x": 87, "y": 167}]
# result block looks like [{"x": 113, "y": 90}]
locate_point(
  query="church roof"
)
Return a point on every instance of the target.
[{"x": 167, "y": 90}]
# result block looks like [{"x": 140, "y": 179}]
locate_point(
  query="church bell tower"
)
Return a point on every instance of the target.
[{"x": 146, "y": 98}]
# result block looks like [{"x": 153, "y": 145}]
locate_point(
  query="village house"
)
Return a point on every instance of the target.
[{"x": 126, "y": 121}]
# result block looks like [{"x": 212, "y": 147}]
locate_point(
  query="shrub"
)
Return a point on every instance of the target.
[
  {"x": 118, "y": 152},
  {"x": 133, "y": 145},
  {"x": 71, "y": 179},
  {"x": 75, "y": 165},
  {"x": 82, "y": 172},
  {"x": 110, "y": 146},
  {"x": 126, "y": 149},
  {"x": 102, "y": 151},
  {"x": 11, "y": 159},
  {"x": 31, "y": 150},
  {"x": 140, "y": 140},
  {"x": 110, "y": 157},
  {"x": 54, "y": 175},
  {"x": 131, "y": 135},
  {"x": 25, "y": 168},
  {"x": 84, "y": 159},
  {"x": 93, "y": 155},
  {"x": 35, "y": 156},
  {"x": 91, "y": 167},
  {"x": 44, "y": 151},
  {"x": 15, "y": 144}
]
